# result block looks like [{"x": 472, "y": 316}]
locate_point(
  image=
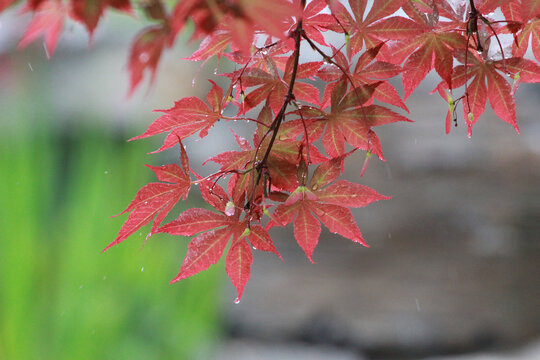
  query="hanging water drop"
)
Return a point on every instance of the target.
[
  {"x": 144, "y": 57},
  {"x": 237, "y": 301},
  {"x": 229, "y": 208}
]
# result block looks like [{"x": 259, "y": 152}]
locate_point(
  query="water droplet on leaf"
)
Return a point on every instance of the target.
[
  {"x": 144, "y": 57},
  {"x": 229, "y": 209}
]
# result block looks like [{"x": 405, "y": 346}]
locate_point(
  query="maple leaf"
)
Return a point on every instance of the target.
[
  {"x": 145, "y": 53},
  {"x": 313, "y": 22},
  {"x": 367, "y": 72},
  {"x": 348, "y": 121},
  {"x": 272, "y": 86},
  {"x": 281, "y": 161},
  {"x": 240, "y": 19},
  {"x": 49, "y": 21},
  {"x": 375, "y": 26},
  {"x": 213, "y": 44},
  {"x": 187, "y": 117},
  {"x": 5, "y": 3},
  {"x": 156, "y": 200},
  {"x": 308, "y": 206},
  {"x": 89, "y": 12},
  {"x": 215, "y": 230},
  {"x": 530, "y": 19},
  {"x": 484, "y": 82},
  {"x": 431, "y": 49}
]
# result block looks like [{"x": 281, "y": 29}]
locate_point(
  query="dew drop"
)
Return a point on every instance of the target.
[
  {"x": 229, "y": 209},
  {"x": 254, "y": 248},
  {"x": 105, "y": 278},
  {"x": 106, "y": 172},
  {"x": 264, "y": 51},
  {"x": 80, "y": 287},
  {"x": 215, "y": 71},
  {"x": 142, "y": 269},
  {"x": 146, "y": 203},
  {"x": 193, "y": 82},
  {"x": 237, "y": 301},
  {"x": 144, "y": 57}
]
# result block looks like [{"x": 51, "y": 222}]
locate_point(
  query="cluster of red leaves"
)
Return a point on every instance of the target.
[{"x": 281, "y": 176}]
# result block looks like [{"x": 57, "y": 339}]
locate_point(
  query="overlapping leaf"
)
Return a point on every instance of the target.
[
  {"x": 156, "y": 200},
  {"x": 308, "y": 206},
  {"x": 215, "y": 230}
]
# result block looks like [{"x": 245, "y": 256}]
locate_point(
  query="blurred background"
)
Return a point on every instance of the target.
[{"x": 452, "y": 272}]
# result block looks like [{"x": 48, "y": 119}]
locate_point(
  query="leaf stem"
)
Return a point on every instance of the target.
[{"x": 276, "y": 123}]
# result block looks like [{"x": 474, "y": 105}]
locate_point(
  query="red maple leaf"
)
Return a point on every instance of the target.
[
  {"x": 5, "y": 3},
  {"x": 215, "y": 230},
  {"x": 367, "y": 72},
  {"x": 145, "y": 53},
  {"x": 48, "y": 20},
  {"x": 187, "y": 117},
  {"x": 329, "y": 203},
  {"x": 90, "y": 11},
  {"x": 156, "y": 200},
  {"x": 347, "y": 121},
  {"x": 241, "y": 19},
  {"x": 374, "y": 26},
  {"x": 484, "y": 81},
  {"x": 271, "y": 86},
  {"x": 529, "y": 17}
]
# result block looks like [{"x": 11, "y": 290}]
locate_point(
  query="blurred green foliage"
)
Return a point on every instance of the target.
[{"x": 60, "y": 297}]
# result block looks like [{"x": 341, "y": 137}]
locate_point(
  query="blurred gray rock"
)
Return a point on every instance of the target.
[
  {"x": 454, "y": 259},
  {"x": 249, "y": 350}
]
